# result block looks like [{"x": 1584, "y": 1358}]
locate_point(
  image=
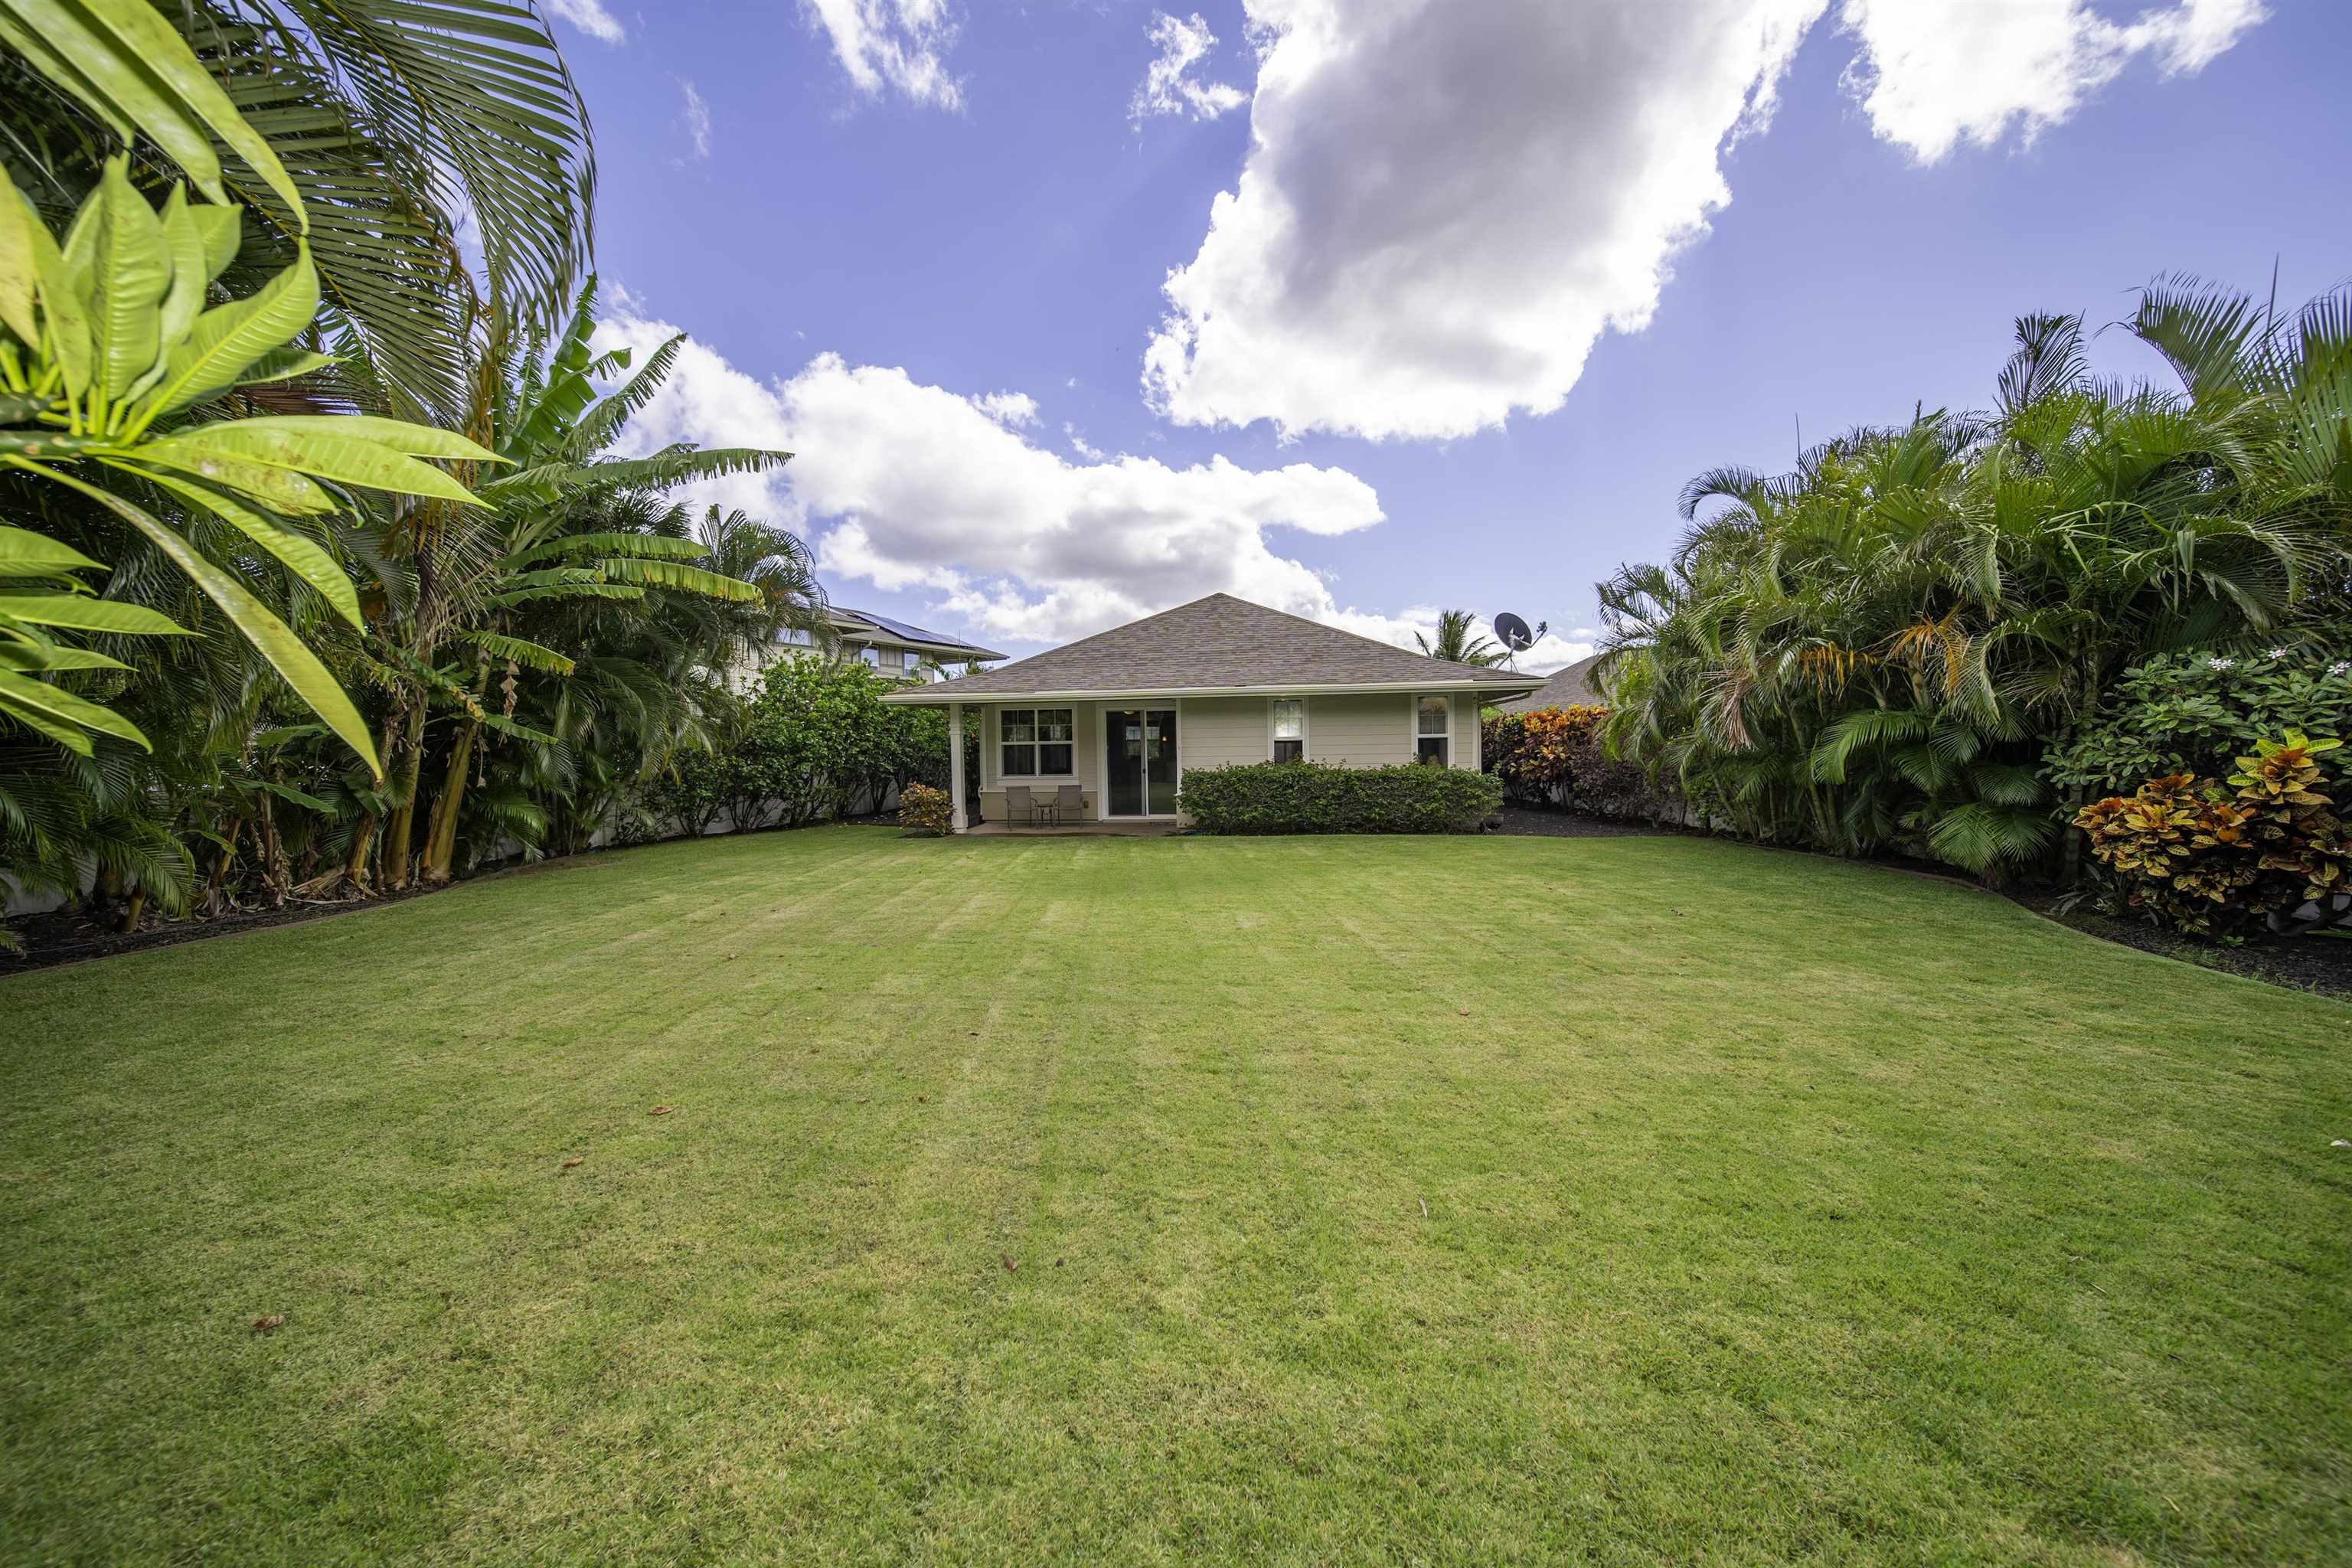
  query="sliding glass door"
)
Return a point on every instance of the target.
[{"x": 1142, "y": 747}]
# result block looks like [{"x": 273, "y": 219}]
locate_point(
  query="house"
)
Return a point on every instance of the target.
[
  {"x": 1570, "y": 687},
  {"x": 1125, "y": 713},
  {"x": 893, "y": 648}
]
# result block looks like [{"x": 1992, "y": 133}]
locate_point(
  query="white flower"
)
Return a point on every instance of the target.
[
  {"x": 2220, "y": 664},
  {"x": 2341, "y": 667},
  {"x": 2276, "y": 653}
]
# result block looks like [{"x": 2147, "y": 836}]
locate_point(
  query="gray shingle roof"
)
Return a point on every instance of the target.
[
  {"x": 1219, "y": 643},
  {"x": 1569, "y": 688}
]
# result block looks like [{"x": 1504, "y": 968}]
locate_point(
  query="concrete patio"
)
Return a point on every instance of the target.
[{"x": 1153, "y": 829}]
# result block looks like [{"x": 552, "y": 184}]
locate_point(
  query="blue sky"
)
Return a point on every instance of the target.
[{"x": 1491, "y": 279}]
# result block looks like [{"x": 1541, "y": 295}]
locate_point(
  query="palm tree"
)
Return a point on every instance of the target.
[
  {"x": 1454, "y": 645},
  {"x": 352, "y": 142},
  {"x": 372, "y": 134},
  {"x": 772, "y": 560},
  {"x": 1878, "y": 646},
  {"x": 573, "y": 545}
]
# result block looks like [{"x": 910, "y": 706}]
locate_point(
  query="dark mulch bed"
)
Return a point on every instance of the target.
[
  {"x": 65, "y": 936},
  {"x": 1520, "y": 819},
  {"x": 2317, "y": 961}
]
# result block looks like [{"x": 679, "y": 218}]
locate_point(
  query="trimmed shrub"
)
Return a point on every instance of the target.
[
  {"x": 1315, "y": 798},
  {"x": 1556, "y": 757},
  {"x": 2198, "y": 858},
  {"x": 924, "y": 810}
]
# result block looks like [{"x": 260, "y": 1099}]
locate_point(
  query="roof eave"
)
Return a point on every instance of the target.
[{"x": 945, "y": 691}]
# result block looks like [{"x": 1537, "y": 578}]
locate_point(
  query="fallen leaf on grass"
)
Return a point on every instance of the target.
[
  {"x": 1465, "y": 1012},
  {"x": 659, "y": 1111},
  {"x": 1010, "y": 1266},
  {"x": 865, "y": 1099},
  {"x": 922, "y": 1099},
  {"x": 575, "y": 1160},
  {"x": 274, "y": 1322}
]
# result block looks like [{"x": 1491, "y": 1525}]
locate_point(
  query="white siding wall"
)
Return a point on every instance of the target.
[
  {"x": 1371, "y": 731},
  {"x": 1368, "y": 731},
  {"x": 1465, "y": 731},
  {"x": 1214, "y": 732}
]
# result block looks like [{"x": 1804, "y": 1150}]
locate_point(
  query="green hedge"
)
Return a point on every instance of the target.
[{"x": 1310, "y": 797}]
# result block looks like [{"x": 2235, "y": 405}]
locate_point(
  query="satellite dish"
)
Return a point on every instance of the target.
[{"x": 1515, "y": 634}]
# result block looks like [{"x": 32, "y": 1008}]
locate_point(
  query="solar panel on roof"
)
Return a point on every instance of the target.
[{"x": 900, "y": 628}]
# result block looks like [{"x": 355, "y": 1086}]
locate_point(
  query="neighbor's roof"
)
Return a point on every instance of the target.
[
  {"x": 901, "y": 632},
  {"x": 1217, "y": 646},
  {"x": 1568, "y": 688}
]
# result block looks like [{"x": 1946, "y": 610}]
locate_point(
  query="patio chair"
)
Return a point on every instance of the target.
[
  {"x": 1069, "y": 804},
  {"x": 1017, "y": 807}
]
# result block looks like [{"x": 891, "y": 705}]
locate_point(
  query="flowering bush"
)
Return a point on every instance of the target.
[
  {"x": 925, "y": 810},
  {"x": 2196, "y": 858},
  {"x": 2195, "y": 713}
]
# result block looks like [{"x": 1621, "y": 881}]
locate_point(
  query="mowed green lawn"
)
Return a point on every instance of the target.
[{"x": 1610, "y": 1201}]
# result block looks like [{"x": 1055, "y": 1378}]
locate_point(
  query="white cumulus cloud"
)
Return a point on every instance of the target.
[
  {"x": 1008, "y": 408},
  {"x": 591, "y": 17},
  {"x": 1934, "y": 73},
  {"x": 906, "y": 485},
  {"x": 900, "y": 44},
  {"x": 1445, "y": 203},
  {"x": 1169, "y": 85},
  {"x": 697, "y": 119}
]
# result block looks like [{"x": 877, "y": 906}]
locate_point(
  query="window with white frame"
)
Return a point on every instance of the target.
[
  {"x": 1035, "y": 742},
  {"x": 871, "y": 655},
  {"x": 1288, "y": 726},
  {"x": 795, "y": 636},
  {"x": 1433, "y": 731}
]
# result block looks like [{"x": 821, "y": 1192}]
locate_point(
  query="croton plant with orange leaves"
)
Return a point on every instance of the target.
[{"x": 2200, "y": 857}]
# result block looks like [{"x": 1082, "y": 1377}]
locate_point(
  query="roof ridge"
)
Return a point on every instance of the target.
[
  {"x": 1222, "y": 640},
  {"x": 1473, "y": 669}
]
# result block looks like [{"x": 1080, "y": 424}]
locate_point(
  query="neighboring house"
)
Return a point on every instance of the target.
[
  {"x": 1569, "y": 688},
  {"x": 1124, "y": 714},
  {"x": 894, "y": 648}
]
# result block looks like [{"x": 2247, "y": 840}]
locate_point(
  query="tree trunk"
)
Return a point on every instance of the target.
[
  {"x": 362, "y": 845},
  {"x": 393, "y": 857},
  {"x": 131, "y": 912},
  {"x": 215, "y": 890},
  {"x": 273, "y": 854},
  {"x": 441, "y": 832},
  {"x": 2070, "y": 853}
]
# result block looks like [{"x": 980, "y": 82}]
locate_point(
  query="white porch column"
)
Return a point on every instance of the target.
[{"x": 955, "y": 767}]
